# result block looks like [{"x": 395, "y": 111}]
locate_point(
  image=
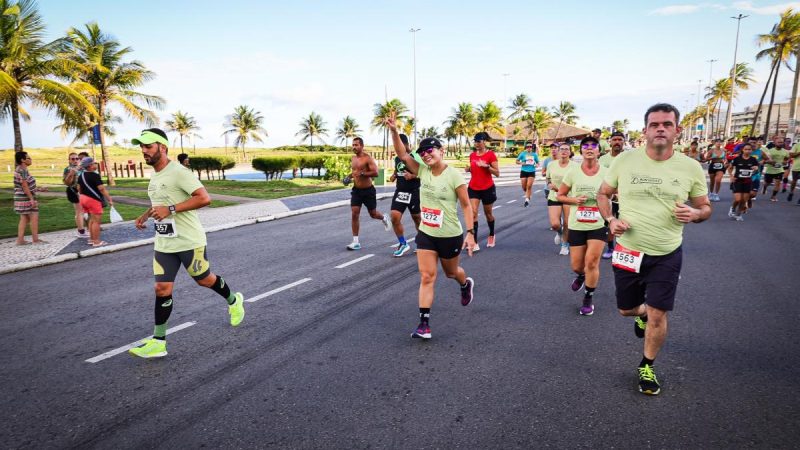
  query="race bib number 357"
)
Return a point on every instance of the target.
[
  {"x": 166, "y": 228},
  {"x": 432, "y": 217},
  {"x": 626, "y": 259}
]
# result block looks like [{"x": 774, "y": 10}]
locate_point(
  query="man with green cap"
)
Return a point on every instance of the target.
[{"x": 176, "y": 195}]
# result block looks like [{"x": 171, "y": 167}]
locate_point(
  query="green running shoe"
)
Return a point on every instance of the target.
[
  {"x": 648, "y": 384},
  {"x": 639, "y": 326},
  {"x": 236, "y": 310},
  {"x": 151, "y": 348}
]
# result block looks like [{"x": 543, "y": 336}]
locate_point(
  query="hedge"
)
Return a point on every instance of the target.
[
  {"x": 316, "y": 148},
  {"x": 274, "y": 166},
  {"x": 211, "y": 163}
]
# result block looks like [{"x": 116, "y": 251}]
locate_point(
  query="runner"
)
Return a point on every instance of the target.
[
  {"x": 552, "y": 156},
  {"x": 557, "y": 211},
  {"x": 617, "y": 142},
  {"x": 795, "y": 154},
  {"x": 528, "y": 159},
  {"x": 440, "y": 238},
  {"x": 716, "y": 168},
  {"x": 758, "y": 154},
  {"x": 604, "y": 147},
  {"x": 776, "y": 157},
  {"x": 744, "y": 166},
  {"x": 694, "y": 151},
  {"x": 70, "y": 178},
  {"x": 482, "y": 165},
  {"x": 364, "y": 169},
  {"x": 653, "y": 185},
  {"x": 587, "y": 232},
  {"x": 406, "y": 196},
  {"x": 176, "y": 194},
  {"x": 787, "y": 166}
]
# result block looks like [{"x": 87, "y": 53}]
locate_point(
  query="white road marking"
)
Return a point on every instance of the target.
[
  {"x": 398, "y": 244},
  {"x": 349, "y": 263},
  {"x": 497, "y": 207},
  {"x": 276, "y": 290},
  {"x": 125, "y": 348},
  {"x": 537, "y": 191},
  {"x": 510, "y": 201}
]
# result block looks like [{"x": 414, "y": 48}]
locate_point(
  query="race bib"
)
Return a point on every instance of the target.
[
  {"x": 745, "y": 173},
  {"x": 777, "y": 165},
  {"x": 403, "y": 197},
  {"x": 166, "y": 228},
  {"x": 716, "y": 166},
  {"x": 529, "y": 162},
  {"x": 432, "y": 217},
  {"x": 626, "y": 259},
  {"x": 588, "y": 214}
]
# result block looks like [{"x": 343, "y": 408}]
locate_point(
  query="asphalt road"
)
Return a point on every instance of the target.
[{"x": 329, "y": 362}]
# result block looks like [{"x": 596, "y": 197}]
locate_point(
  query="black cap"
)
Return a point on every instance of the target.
[
  {"x": 430, "y": 142},
  {"x": 618, "y": 133},
  {"x": 481, "y": 136},
  {"x": 597, "y": 130},
  {"x": 589, "y": 139}
]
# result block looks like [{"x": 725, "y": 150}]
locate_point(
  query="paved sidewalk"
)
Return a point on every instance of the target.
[{"x": 65, "y": 245}]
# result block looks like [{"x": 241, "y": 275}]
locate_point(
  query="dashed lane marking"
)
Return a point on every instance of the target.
[
  {"x": 125, "y": 348},
  {"x": 276, "y": 290},
  {"x": 349, "y": 263}
]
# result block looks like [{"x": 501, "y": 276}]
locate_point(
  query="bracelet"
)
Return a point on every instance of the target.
[{"x": 471, "y": 231}]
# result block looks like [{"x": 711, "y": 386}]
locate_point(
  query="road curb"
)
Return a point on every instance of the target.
[{"x": 141, "y": 242}]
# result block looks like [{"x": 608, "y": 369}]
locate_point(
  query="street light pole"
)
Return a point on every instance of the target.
[
  {"x": 413, "y": 32},
  {"x": 505, "y": 125},
  {"x": 708, "y": 110},
  {"x": 733, "y": 76}
]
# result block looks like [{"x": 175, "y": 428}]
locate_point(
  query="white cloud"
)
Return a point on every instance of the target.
[
  {"x": 675, "y": 9},
  {"x": 766, "y": 10}
]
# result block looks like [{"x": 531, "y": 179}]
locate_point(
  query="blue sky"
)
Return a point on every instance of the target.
[{"x": 286, "y": 59}]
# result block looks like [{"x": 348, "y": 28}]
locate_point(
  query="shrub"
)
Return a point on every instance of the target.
[
  {"x": 311, "y": 162},
  {"x": 274, "y": 166},
  {"x": 316, "y": 148},
  {"x": 211, "y": 163},
  {"x": 337, "y": 166}
]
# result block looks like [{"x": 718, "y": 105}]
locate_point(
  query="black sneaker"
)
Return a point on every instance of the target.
[
  {"x": 648, "y": 384},
  {"x": 466, "y": 292},
  {"x": 577, "y": 283},
  {"x": 639, "y": 326},
  {"x": 423, "y": 331}
]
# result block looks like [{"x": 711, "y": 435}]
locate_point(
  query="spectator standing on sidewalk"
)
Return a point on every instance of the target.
[
  {"x": 94, "y": 197},
  {"x": 25, "y": 203},
  {"x": 70, "y": 179},
  {"x": 183, "y": 159}
]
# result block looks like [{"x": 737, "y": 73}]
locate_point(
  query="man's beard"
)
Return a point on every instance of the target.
[{"x": 153, "y": 159}]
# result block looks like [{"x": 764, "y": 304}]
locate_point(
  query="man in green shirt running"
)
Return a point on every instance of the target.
[
  {"x": 176, "y": 195},
  {"x": 653, "y": 185}
]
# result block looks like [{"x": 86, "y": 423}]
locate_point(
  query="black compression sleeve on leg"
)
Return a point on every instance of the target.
[
  {"x": 221, "y": 288},
  {"x": 475, "y": 230},
  {"x": 163, "y": 310},
  {"x": 491, "y": 227}
]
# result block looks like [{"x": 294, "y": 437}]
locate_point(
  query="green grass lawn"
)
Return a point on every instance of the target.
[
  {"x": 54, "y": 214},
  {"x": 267, "y": 190}
]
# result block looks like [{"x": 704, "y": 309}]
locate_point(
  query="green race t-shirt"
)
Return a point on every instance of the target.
[
  {"x": 604, "y": 146},
  {"x": 779, "y": 156},
  {"x": 438, "y": 201},
  {"x": 647, "y": 192},
  {"x": 555, "y": 173},
  {"x": 172, "y": 185},
  {"x": 582, "y": 184},
  {"x": 796, "y": 163},
  {"x": 606, "y": 160}
]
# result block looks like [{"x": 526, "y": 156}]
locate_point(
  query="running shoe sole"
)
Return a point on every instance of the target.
[
  {"x": 416, "y": 335},
  {"x": 402, "y": 251}
]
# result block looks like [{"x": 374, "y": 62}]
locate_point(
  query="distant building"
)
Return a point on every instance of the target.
[
  {"x": 517, "y": 134},
  {"x": 779, "y": 117}
]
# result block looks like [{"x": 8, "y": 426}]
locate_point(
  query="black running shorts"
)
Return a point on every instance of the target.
[
  {"x": 579, "y": 237},
  {"x": 72, "y": 196},
  {"x": 406, "y": 200},
  {"x": 367, "y": 197},
  {"x": 166, "y": 265},
  {"x": 655, "y": 284},
  {"x": 446, "y": 248},
  {"x": 743, "y": 187},
  {"x": 486, "y": 196},
  {"x": 523, "y": 174}
]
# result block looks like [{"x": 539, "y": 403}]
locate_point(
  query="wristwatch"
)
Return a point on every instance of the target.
[
  {"x": 172, "y": 209},
  {"x": 471, "y": 231}
]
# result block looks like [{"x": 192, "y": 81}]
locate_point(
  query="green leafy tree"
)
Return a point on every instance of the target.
[
  {"x": 464, "y": 122},
  {"x": 98, "y": 60},
  {"x": 183, "y": 124},
  {"x": 311, "y": 126},
  {"x": 431, "y": 132},
  {"x": 781, "y": 42},
  {"x": 537, "y": 123},
  {"x": 28, "y": 67},
  {"x": 348, "y": 129},
  {"x": 490, "y": 118},
  {"x": 382, "y": 111},
  {"x": 246, "y": 124},
  {"x": 565, "y": 113},
  {"x": 520, "y": 106}
]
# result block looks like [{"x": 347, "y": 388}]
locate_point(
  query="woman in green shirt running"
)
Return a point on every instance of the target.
[
  {"x": 587, "y": 229},
  {"x": 557, "y": 211},
  {"x": 439, "y": 239}
]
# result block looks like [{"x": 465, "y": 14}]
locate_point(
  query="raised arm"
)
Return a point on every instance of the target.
[{"x": 399, "y": 147}]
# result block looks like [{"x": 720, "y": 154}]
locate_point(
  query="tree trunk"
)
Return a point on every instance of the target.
[
  {"x": 103, "y": 151},
  {"x": 761, "y": 103},
  {"x": 558, "y": 129},
  {"x": 793, "y": 104},
  {"x": 15, "y": 119},
  {"x": 772, "y": 97},
  {"x": 181, "y": 135}
]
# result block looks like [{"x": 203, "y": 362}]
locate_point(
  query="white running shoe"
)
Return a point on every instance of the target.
[
  {"x": 557, "y": 239},
  {"x": 387, "y": 224},
  {"x": 564, "y": 250}
]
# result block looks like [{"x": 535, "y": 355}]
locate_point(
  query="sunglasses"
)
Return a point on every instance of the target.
[
  {"x": 425, "y": 151},
  {"x": 589, "y": 146},
  {"x": 74, "y": 159}
]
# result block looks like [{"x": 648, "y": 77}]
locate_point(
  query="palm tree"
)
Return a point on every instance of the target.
[
  {"x": 28, "y": 66},
  {"x": 490, "y": 118},
  {"x": 348, "y": 129},
  {"x": 80, "y": 126},
  {"x": 408, "y": 126},
  {"x": 537, "y": 123},
  {"x": 183, "y": 124},
  {"x": 97, "y": 59},
  {"x": 382, "y": 111},
  {"x": 520, "y": 106},
  {"x": 246, "y": 124},
  {"x": 311, "y": 126},
  {"x": 564, "y": 112},
  {"x": 781, "y": 42},
  {"x": 716, "y": 94},
  {"x": 464, "y": 121},
  {"x": 431, "y": 132}
]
